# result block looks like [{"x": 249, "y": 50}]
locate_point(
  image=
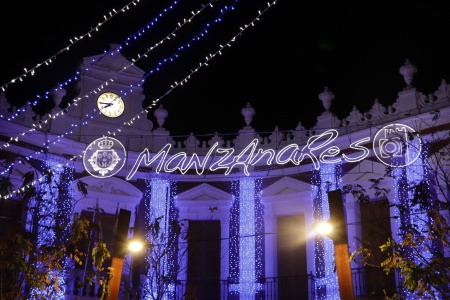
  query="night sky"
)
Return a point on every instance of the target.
[{"x": 279, "y": 65}]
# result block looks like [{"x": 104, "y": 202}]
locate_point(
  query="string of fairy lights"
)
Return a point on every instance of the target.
[
  {"x": 176, "y": 84},
  {"x": 117, "y": 48},
  {"x": 103, "y": 85},
  {"x": 100, "y": 87},
  {"x": 73, "y": 41},
  {"x": 248, "y": 263}
]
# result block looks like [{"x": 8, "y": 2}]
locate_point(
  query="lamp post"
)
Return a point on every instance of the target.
[
  {"x": 336, "y": 229},
  {"x": 340, "y": 241},
  {"x": 122, "y": 246},
  {"x": 119, "y": 253}
]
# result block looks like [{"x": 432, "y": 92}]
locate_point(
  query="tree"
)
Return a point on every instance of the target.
[
  {"x": 164, "y": 256},
  {"x": 420, "y": 254},
  {"x": 37, "y": 252}
]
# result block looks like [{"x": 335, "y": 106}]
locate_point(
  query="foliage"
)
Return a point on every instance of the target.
[
  {"x": 420, "y": 255},
  {"x": 36, "y": 269}
]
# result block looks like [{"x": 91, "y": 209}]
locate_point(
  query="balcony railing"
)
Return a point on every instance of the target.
[
  {"x": 272, "y": 288},
  {"x": 369, "y": 283}
]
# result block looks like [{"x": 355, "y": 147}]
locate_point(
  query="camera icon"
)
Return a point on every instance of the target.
[{"x": 392, "y": 145}]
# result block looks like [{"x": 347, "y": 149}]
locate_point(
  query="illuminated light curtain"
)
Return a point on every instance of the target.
[
  {"x": 402, "y": 177},
  {"x": 415, "y": 173},
  {"x": 65, "y": 216},
  {"x": 159, "y": 200},
  {"x": 436, "y": 245},
  {"x": 52, "y": 208},
  {"x": 323, "y": 180},
  {"x": 246, "y": 242},
  {"x": 406, "y": 178},
  {"x": 430, "y": 184}
]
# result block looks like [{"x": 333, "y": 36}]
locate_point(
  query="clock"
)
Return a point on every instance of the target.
[{"x": 110, "y": 104}]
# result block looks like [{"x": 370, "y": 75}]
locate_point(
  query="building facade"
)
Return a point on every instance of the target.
[{"x": 250, "y": 200}]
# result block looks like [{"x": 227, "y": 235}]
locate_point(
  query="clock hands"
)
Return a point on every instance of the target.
[
  {"x": 106, "y": 104},
  {"x": 110, "y": 105}
]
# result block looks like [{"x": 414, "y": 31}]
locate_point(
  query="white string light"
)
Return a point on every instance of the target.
[
  {"x": 73, "y": 41},
  {"x": 101, "y": 86},
  {"x": 97, "y": 89},
  {"x": 145, "y": 110},
  {"x": 111, "y": 51}
]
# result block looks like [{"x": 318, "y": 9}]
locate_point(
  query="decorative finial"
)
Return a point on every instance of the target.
[
  {"x": 248, "y": 112},
  {"x": 58, "y": 93},
  {"x": 327, "y": 98},
  {"x": 408, "y": 70},
  {"x": 160, "y": 115}
]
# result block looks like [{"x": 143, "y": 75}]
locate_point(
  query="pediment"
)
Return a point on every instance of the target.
[
  {"x": 286, "y": 185},
  {"x": 113, "y": 62},
  {"x": 204, "y": 191}
]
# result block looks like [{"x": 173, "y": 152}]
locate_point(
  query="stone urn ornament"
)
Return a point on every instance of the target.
[
  {"x": 248, "y": 112},
  {"x": 327, "y": 98},
  {"x": 408, "y": 70},
  {"x": 160, "y": 115}
]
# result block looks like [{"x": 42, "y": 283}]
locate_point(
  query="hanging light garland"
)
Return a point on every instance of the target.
[
  {"x": 145, "y": 110},
  {"x": 111, "y": 51},
  {"x": 103, "y": 85},
  {"x": 73, "y": 41}
]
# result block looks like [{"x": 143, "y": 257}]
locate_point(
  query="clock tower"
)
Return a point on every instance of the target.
[{"x": 110, "y": 98}]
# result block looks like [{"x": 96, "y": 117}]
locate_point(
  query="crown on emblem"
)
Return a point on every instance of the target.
[{"x": 105, "y": 144}]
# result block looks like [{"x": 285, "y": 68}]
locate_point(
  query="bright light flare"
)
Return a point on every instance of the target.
[
  {"x": 135, "y": 246},
  {"x": 323, "y": 228}
]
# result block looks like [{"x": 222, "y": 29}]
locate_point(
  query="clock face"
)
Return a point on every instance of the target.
[{"x": 110, "y": 104}]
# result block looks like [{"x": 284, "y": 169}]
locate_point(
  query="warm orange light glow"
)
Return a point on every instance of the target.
[
  {"x": 323, "y": 228},
  {"x": 135, "y": 246}
]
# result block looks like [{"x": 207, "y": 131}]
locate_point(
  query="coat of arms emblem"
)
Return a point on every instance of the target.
[{"x": 103, "y": 157}]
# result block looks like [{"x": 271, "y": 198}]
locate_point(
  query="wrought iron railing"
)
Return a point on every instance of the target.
[
  {"x": 373, "y": 283},
  {"x": 271, "y": 288},
  {"x": 368, "y": 283}
]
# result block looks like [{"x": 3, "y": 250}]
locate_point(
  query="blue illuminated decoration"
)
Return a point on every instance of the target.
[
  {"x": 197, "y": 37},
  {"x": 414, "y": 214},
  {"x": 161, "y": 258},
  {"x": 246, "y": 267},
  {"x": 326, "y": 179},
  {"x": 234, "y": 238},
  {"x": 52, "y": 208}
]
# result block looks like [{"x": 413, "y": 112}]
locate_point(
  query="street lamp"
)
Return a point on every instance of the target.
[
  {"x": 119, "y": 251},
  {"x": 323, "y": 228},
  {"x": 135, "y": 245},
  {"x": 339, "y": 237},
  {"x": 335, "y": 228}
]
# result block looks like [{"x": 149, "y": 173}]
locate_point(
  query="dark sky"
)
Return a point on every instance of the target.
[{"x": 279, "y": 65}]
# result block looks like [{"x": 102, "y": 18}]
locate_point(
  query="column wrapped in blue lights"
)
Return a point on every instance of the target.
[
  {"x": 427, "y": 199},
  {"x": 65, "y": 211},
  {"x": 400, "y": 209},
  {"x": 49, "y": 218},
  {"x": 160, "y": 213},
  {"x": 233, "y": 277},
  {"x": 319, "y": 246},
  {"x": 428, "y": 185},
  {"x": 246, "y": 241},
  {"x": 415, "y": 199},
  {"x": 323, "y": 180}
]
